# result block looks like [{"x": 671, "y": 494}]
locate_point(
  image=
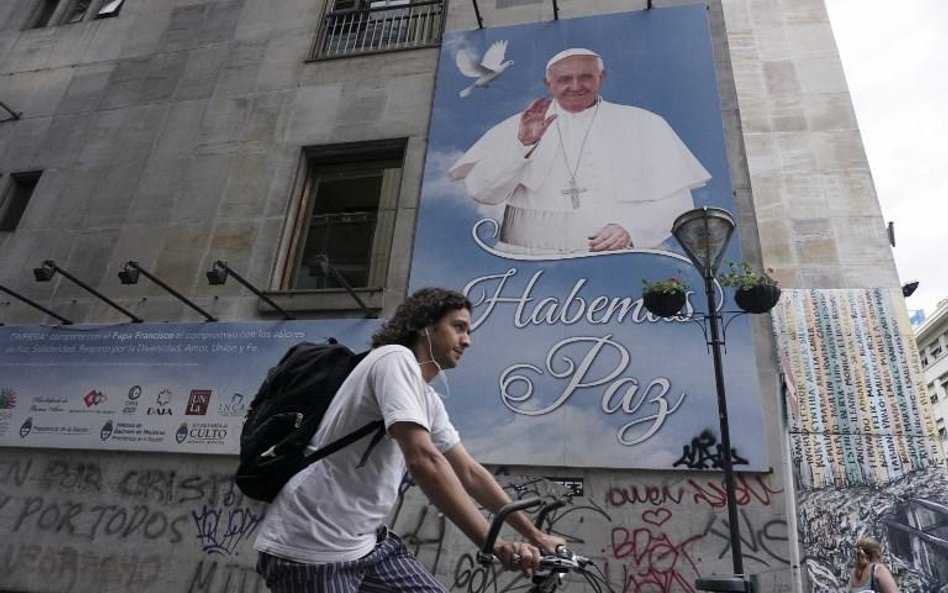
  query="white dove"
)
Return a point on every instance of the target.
[{"x": 492, "y": 66}]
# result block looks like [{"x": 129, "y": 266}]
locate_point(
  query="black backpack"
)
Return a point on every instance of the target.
[{"x": 286, "y": 412}]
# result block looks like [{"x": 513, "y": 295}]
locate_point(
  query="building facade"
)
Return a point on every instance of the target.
[
  {"x": 288, "y": 143},
  {"x": 932, "y": 337}
]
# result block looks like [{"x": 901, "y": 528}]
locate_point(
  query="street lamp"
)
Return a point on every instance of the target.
[{"x": 704, "y": 234}]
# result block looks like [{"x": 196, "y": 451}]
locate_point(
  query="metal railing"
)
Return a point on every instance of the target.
[{"x": 367, "y": 30}]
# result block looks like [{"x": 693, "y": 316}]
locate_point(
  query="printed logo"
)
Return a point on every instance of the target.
[
  {"x": 198, "y": 402},
  {"x": 26, "y": 427},
  {"x": 94, "y": 398},
  {"x": 182, "y": 433},
  {"x": 106, "y": 431},
  {"x": 163, "y": 399},
  {"x": 7, "y": 399},
  {"x": 135, "y": 392},
  {"x": 207, "y": 433},
  {"x": 235, "y": 407}
]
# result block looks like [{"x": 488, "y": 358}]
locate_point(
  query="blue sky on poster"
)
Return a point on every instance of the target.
[{"x": 895, "y": 55}]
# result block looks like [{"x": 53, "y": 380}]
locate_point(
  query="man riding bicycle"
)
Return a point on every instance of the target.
[{"x": 325, "y": 532}]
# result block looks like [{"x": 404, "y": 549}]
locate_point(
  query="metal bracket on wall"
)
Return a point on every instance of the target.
[
  {"x": 556, "y": 11},
  {"x": 14, "y": 114},
  {"x": 477, "y": 13}
]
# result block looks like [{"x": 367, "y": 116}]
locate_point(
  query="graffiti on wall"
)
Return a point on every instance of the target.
[
  {"x": 99, "y": 524},
  {"x": 81, "y": 525}
]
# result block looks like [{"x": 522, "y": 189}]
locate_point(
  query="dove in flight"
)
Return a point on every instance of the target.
[{"x": 492, "y": 66}]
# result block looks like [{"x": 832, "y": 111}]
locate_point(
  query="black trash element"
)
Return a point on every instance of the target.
[{"x": 734, "y": 583}]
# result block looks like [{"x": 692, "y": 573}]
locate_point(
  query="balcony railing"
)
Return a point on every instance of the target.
[{"x": 367, "y": 30}]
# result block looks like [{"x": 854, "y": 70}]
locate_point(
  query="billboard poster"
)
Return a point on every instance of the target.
[
  {"x": 559, "y": 155},
  {"x": 175, "y": 387}
]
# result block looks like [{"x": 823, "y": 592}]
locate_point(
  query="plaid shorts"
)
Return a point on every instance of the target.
[{"x": 390, "y": 567}]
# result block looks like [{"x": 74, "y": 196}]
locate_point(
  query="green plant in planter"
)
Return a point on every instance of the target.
[
  {"x": 744, "y": 276},
  {"x": 667, "y": 286},
  {"x": 664, "y": 297},
  {"x": 755, "y": 291}
]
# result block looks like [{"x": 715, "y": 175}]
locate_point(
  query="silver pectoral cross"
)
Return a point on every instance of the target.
[{"x": 573, "y": 192}]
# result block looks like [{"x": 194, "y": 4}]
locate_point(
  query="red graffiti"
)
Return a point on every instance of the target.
[
  {"x": 651, "y": 561},
  {"x": 746, "y": 490}
]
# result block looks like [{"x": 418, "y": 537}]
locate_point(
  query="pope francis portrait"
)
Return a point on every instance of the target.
[{"x": 577, "y": 173}]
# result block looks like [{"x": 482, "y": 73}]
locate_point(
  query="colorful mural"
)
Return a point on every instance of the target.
[{"x": 863, "y": 442}]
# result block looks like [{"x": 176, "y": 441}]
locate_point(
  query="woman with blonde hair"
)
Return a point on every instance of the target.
[{"x": 869, "y": 573}]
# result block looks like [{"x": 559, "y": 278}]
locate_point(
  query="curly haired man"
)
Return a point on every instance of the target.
[{"x": 325, "y": 531}]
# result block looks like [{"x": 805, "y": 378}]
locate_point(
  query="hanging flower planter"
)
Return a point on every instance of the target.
[
  {"x": 754, "y": 291},
  {"x": 664, "y": 297},
  {"x": 757, "y": 299},
  {"x": 664, "y": 304}
]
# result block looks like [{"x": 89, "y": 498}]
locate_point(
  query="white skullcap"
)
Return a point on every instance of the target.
[{"x": 573, "y": 51}]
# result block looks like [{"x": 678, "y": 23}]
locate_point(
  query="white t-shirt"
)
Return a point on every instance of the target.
[{"x": 329, "y": 512}]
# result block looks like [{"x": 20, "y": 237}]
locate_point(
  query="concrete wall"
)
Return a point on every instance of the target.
[
  {"x": 104, "y": 522},
  {"x": 172, "y": 134}
]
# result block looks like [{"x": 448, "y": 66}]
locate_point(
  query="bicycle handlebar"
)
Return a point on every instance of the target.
[
  {"x": 486, "y": 554},
  {"x": 551, "y": 568}
]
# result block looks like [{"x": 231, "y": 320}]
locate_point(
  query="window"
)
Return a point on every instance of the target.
[
  {"x": 924, "y": 360},
  {"x": 367, "y": 26},
  {"x": 76, "y": 12},
  {"x": 68, "y": 12},
  {"x": 43, "y": 14},
  {"x": 935, "y": 352},
  {"x": 347, "y": 217},
  {"x": 933, "y": 397},
  {"x": 15, "y": 198}
]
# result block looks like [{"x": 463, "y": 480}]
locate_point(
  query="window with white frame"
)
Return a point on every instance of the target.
[{"x": 346, "y": 217}]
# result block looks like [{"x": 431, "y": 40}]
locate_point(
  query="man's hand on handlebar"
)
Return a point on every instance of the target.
[
  {"x": 548, "y": 543},
  {"x": 516, "y": 555}
]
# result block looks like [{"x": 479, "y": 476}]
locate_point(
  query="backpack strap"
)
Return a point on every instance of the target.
[
  {"x": 872, "y": 577},
  {"x": 349, "y": 439},
  {"x": 375, "y": 441}
]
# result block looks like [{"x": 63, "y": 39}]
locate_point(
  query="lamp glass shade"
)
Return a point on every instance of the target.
[{"x": 704, "y": 234}]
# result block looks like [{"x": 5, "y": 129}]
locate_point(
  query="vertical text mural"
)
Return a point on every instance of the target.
[{"x": 862, "y": 438}]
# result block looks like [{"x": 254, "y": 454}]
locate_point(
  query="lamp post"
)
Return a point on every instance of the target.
[{"x": 704, "y": 234}]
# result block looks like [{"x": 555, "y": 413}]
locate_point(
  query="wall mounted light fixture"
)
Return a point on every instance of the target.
[
  {"x": 129, "y": 275},
  {"x": 35, "y": 305},
  {"x": 219, "y": 273},
  {"x": 48, "y": 269}
]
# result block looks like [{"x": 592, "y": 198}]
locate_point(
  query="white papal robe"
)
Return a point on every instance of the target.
[{"x": 634, "y": 170}]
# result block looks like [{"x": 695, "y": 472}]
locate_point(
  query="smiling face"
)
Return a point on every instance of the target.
[
  {"x": 449, "y": 338},
  {"x": 575, "y": 82}
]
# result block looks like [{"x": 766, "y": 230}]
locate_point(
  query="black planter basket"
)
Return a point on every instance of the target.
[
  {"x": 664, "y": 304},
  {"x": 757, "y": 299}
]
